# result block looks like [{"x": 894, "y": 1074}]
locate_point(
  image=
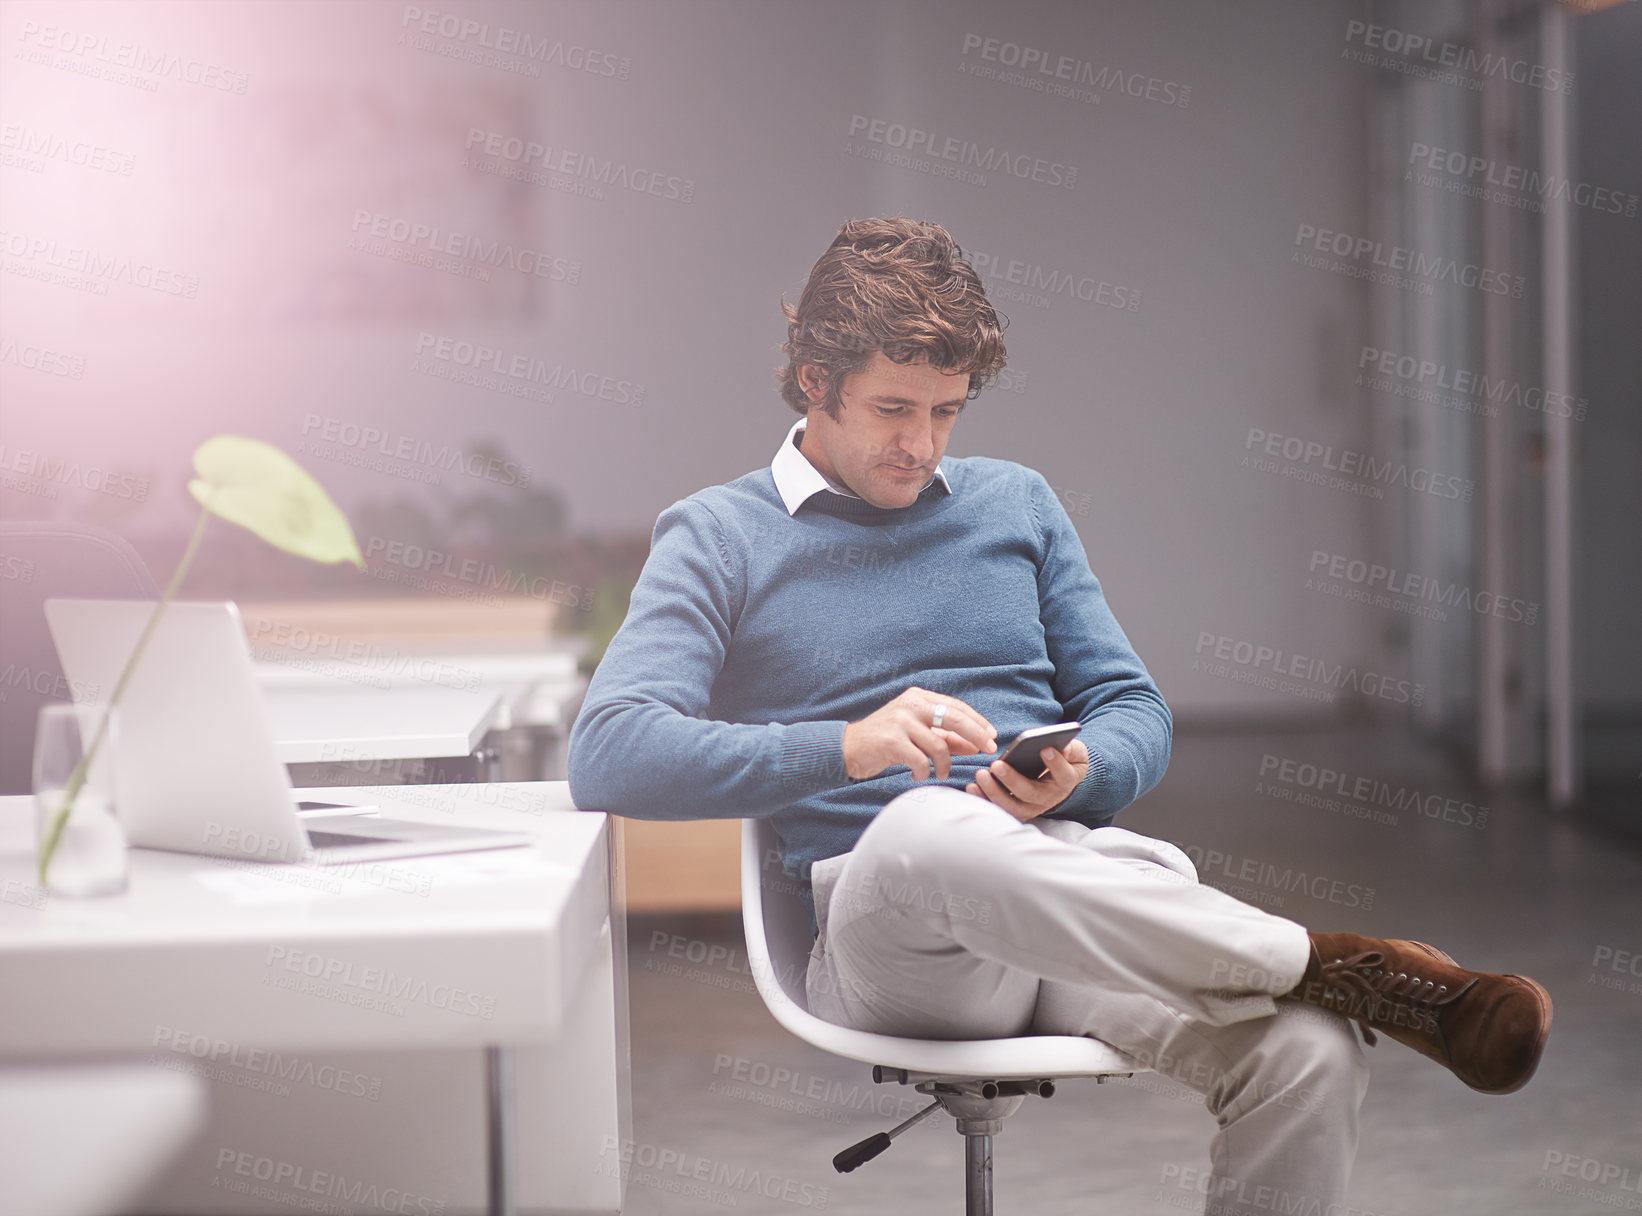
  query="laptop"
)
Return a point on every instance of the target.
[{"x": 195, "y": 765}]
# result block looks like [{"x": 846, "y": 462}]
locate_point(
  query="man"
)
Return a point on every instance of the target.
[{"x": 796, "y": 648}]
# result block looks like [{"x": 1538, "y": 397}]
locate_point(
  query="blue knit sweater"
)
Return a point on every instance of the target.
[{"x": 753, "y": 637}]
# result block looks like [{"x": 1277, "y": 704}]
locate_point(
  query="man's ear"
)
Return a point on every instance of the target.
[{"x": 809, "y": 380}]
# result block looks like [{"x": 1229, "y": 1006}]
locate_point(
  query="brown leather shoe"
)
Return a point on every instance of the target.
[{"x": 1488, "y": 1030}]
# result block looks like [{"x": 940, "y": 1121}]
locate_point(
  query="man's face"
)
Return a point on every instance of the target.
[{"x": 892, "y": 431}]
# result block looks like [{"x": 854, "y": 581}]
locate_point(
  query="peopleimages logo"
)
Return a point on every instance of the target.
[
  {"x": 1418, "y": 55},
  {"x": 375, "y": 441},
  {"x": 42, "y": 359},
  {"x": 59, "y": 471},
  {"x": 16, "y": 569},
  {"x": 481, "y": 363},
  {"x": 1512, "y": 184},
  {"x": 485, "y": 580},
  {"x": 1185, "y": 1186},
  {"x": 959, "y": 151},
  {"x": 48, "y": 145},
  {"x": 1268, "y": 879},
  {"x": 1371, "y": 791},
  {"x": 804, "y": 1093},
  {"x": 23, "y": 894},
  {"x": 1015, "y": 280},
  {"x": 99, "y": 268},
  {"x": 1391, "y": 263},
  {"x": 307, "y": 1188},
  {"x": 332, "y": 972},
  {"x": 1369, "y": 472},
  {"x": 1271, "y": 667},
  {"x": 1428, "y": 374},
  {"x": 409, "y": 240},
  {"x": 310, "y": 649},
  {"x": 43, "y": 682},
  {"x": 1610, "y": 1176},
  {"x": 650, "y": 1164},
  {"x": 1056, "y": 75},
  {"x": 99, "y": 57},
  {"x": 1403, "y": 590},
  {"x": 219, "y": 1055},
  {"x": 479, "y": 36},
  {"x": 529, "y": 154}
]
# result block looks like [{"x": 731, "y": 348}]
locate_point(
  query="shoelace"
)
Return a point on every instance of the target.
[{"x": 1365, "y": 977}]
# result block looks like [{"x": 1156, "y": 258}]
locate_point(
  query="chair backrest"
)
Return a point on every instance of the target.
[
  {"x": 43, "y": 560},
  {"x": 776, "y": 922}
]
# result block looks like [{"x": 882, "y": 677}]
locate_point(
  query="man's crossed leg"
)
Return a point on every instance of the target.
[{"x": 952, "y": 919}]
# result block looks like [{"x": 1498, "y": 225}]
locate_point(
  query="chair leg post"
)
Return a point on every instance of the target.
[{"x": 977, "y": 1174}]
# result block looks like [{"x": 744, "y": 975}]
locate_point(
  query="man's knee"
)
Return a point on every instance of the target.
[
  {"x": 1120, "y": 844},
  {"x": 932, "y": 836},
  {"x": 932, "y": 818}
]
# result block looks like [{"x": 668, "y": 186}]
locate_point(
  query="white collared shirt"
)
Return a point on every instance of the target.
[{"x": 797, "y": 480}]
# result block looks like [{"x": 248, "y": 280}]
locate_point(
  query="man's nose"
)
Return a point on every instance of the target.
[{"x": 917, "y": 441}]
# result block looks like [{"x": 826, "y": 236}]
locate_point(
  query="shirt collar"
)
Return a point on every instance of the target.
[{"x": 797, "y": 480}]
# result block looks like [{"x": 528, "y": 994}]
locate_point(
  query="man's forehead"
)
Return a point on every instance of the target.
[{"x": 918, "y": 372}]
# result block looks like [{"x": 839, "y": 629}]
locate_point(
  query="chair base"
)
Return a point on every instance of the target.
[
  {"x": 979, "y": 1106},
  {"x": 977, "y": 1173}
]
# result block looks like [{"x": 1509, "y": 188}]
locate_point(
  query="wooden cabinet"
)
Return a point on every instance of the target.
[{"x": 693, "y": 866}]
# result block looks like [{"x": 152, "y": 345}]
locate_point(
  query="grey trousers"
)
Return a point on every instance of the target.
[{"x": 951, "y": 919}]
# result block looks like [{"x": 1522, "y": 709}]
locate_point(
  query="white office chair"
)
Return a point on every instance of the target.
[{"x": 980, "y": 1082}]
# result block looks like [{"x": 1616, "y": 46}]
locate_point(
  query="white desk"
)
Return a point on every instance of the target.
[{"x": 440, "y": 954}]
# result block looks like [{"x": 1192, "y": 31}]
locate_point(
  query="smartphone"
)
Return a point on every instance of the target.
[{"x": 1024, "y": 753}]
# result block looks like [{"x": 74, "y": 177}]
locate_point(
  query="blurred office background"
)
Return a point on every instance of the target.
[{"x": 1323, "y": 325}]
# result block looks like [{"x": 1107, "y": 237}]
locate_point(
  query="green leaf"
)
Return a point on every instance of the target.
[{"x": 257, "y": 486}]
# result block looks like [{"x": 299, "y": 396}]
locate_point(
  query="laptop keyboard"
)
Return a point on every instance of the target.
[{"x": 337, "y": 840}]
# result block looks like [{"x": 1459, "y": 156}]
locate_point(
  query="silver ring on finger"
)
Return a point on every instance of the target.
[{"x": 937, "y": 716}]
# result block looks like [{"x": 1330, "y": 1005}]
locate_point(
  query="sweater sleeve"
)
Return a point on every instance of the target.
[
  {"x": 640, "y": 746},
  {"x": 1098, "y": 677}
]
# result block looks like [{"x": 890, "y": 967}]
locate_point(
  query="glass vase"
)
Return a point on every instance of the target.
[{"x": 89, "y": 857}]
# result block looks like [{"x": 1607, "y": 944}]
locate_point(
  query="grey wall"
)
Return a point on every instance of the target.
[{"x": 1185, "y": 206}]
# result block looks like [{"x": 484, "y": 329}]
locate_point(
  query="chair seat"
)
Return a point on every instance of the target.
[
  {"x": 1020, "y": 1058},
  {"x": 778, "y": 941}
]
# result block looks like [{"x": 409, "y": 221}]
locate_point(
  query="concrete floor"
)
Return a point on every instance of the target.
[{"x": 719, "y": 1084}]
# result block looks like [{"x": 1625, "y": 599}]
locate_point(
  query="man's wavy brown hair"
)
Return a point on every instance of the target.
[{"x": 898, "y": 285}]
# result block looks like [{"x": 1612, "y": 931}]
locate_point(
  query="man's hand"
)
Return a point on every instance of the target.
[
  {"x": 1025, "y": 798},
  {"x": 902, "y": 732}
]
